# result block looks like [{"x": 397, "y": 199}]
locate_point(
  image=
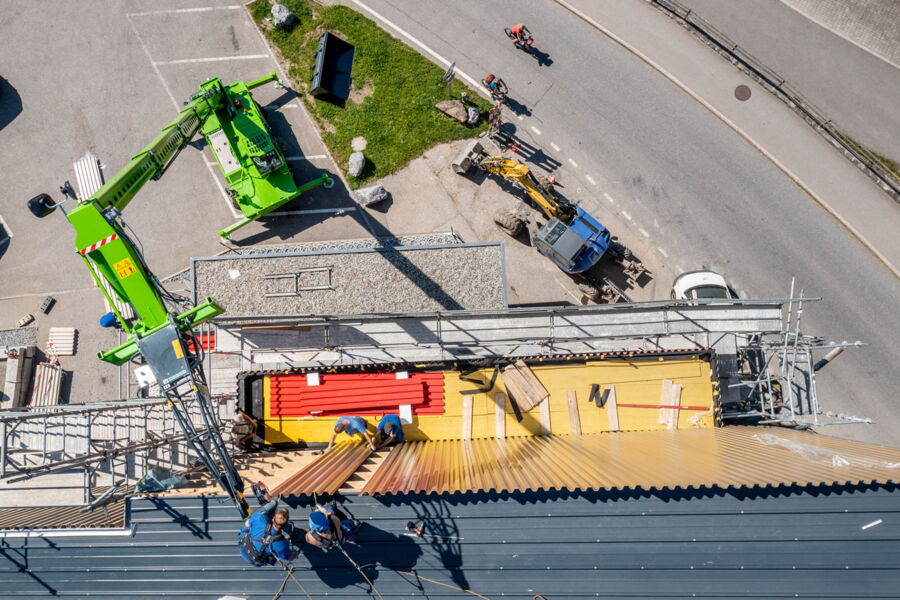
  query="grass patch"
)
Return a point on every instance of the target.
[
  {"x": 887, "y": 164},
  {"x": 393, "y": 92}
]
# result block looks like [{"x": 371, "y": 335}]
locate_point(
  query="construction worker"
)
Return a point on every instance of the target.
[
  {"x": 267, "y": 535},
  {"x": 390, "y": 430},
  {"x": 351, "y": 426},
  {"x": 327, "y": 529},
  {"x": 244, "y": 430}
]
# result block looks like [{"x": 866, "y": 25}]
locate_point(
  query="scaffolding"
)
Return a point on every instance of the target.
[{"x": 777, "y": 376}]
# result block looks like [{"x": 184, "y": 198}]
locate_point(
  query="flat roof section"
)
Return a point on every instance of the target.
[
  {"x": 366, "y": 280},
  {"x": 637, "y": 393}
]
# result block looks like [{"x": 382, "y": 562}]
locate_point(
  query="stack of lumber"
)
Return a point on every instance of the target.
[{"x": 355, "y": 393}]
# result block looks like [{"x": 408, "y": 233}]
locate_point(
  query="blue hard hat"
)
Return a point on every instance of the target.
[{"x": 318, "y": 521}]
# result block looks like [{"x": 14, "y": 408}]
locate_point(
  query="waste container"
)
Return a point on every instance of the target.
[{"x": 331, "y": 74}]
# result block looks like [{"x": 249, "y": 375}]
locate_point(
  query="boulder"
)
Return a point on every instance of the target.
[
  {"x": 371, "y": 195},
  {"x": 357, "y": 164},
  {"x": 453, "y": 109},
  {"x": 474, "y": 116},
  {"x": 283, "y": 17}
]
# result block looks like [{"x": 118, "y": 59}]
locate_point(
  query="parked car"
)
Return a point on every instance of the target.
[{"x": 698, "y": 285}]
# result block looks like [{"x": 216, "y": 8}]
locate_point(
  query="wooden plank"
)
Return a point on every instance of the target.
[
  {"x": 500, "y": 414},
  {"x": 574, "y": 418},
  {"x": 466, "y": 433},
  {"x": 545, "y": 417},
  {"x": 522, "y": 384},
  {"x": 612, "y": 409},
  {"x": 670, "y": 398}
]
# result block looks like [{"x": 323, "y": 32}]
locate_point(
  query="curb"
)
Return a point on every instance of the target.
[{"x": 793, "y": 177}]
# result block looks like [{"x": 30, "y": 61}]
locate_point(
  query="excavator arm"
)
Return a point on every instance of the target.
[{"x": 517, "y": 173}]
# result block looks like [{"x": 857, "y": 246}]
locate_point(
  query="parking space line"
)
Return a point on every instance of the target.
[
  {"x": 643, "y": 232},
  {"x": 520, "y": 117},
  {"x": 153, "y": 64},
  {"x": 301, "y": 158},
  {"x": 590, "y": 179},
  {"x": 9, "y": 233},
  {"x": 626, "y": 215},
  {"x": 311, "y": 211},
  {"x": 554, "y": 146},
  {"x": 170, "y": 11},
  {"x": 536, "y": 130},
  {"x": 234, "y": 212},
  {"x": 573, "y": 163},
  {"x": 663, "y": 252},
  {"x": 608, "y": 197},
  {"x": 185, "y": 61}
]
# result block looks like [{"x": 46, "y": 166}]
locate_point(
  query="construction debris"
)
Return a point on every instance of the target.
[{"x": 522, "y": 385}]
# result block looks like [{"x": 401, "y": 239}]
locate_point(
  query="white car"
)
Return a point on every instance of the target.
[{"x": 697, "y": 285}]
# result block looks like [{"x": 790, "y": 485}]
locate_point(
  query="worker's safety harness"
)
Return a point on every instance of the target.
[{"x": 261, "y": 555}]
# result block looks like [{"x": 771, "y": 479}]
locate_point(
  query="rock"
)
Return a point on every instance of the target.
[
  {"x": 474, "y": 116},
  {"x": 357, "y": 164},
  {"x": 284, "y": 18},
  {"x": 453, "y": 109},
  {"x": 371, "y": 195}
]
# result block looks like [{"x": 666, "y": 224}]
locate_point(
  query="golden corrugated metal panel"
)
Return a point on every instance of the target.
[
  {"x": 724, "y": 457},
  {"x": 327, "y": 473},
  {"x": 62, "y": 517}
]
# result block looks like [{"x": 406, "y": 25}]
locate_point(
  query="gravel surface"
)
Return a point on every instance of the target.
[
  {"x": 405, "y": 279},
  {"x": 430, "y": 239},
  {"x": 26, "y": 336}
]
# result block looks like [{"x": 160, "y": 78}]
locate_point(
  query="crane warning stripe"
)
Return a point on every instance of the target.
[{"x": 96, "y": 245}]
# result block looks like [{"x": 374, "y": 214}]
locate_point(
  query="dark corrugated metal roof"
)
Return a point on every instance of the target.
[{"x": 711, "y": 544}]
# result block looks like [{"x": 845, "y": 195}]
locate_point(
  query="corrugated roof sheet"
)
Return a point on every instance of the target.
[
  {"x": 728, "y": 456},
  {"x": 327, "y": 473},
  {"x": 62, "y": 517},
  {"x": 565, "y": 546}
]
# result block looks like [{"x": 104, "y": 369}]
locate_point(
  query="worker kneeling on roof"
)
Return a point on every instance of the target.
[
  {"x": 327, "y": 529},
  {"x": 390, "y": 430},
  {"x": 267, "y": 535},
  {"x": 351, "y": 426}
]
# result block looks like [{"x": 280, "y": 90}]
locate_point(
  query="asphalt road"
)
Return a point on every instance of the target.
[
  {"x": 857, "y": 89},
  {"x": 707, "y": 196}
]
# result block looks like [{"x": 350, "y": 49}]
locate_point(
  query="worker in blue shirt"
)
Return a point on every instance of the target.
[
  {"x": 351, "y": 426},
  {"x": 266, "y": 536},
  {"x": 390, "y": 429}
]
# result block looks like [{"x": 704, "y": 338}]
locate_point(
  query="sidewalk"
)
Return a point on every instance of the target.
[{"x": 763, "y": 120}]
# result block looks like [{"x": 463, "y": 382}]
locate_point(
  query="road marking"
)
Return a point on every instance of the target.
[
  {"x": 872, "y": 524},
  {"x": 234, "y": 212},
  {"x": 475, "y": 85},
  {"x": 9, "y": 233},
  {"x": 608, "y": 197},
  {"x": 153, "y": 64},
  {"x": 590, "y": 179},
  {"x": 184, "y": 61},
  {"x": 573, "y": 163},
  {"x": 554, "y": 146},
  {"x": 54, "y": 293},
  {"x": 679, "y": 268},
  {"x": 536, "y": 130},
  {"x": 311, "y": 211},
  {"x": 183, "y": 10},
  {"x": 626, "y": 215},
  {"x": 300, "y": 158},
  {"x": 643, "y": 232},
  {"x": 663, "y": 252},
  {"x": 567, "y": 290},
  {"x": 520, "y": 117}
]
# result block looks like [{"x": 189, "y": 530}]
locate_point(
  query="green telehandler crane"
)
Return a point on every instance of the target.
[{"x": 260, "y": 180}]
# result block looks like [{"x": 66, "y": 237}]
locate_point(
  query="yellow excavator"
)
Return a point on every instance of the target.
[{"x": 571, "y": 238}]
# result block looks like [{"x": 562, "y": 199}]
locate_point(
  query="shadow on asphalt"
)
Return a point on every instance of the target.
[{"x": 10, "y": 103}]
